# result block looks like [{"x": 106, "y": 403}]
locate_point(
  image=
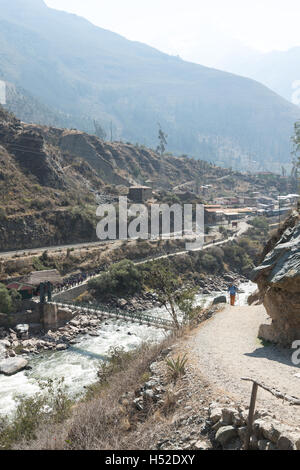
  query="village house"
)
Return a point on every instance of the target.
[
  {"x": 29, "y": 284},
  {"x": 140, "y": 193}
]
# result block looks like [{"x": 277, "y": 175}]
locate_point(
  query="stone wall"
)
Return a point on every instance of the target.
[
  {"x": 230, "y": 428},
  {"x": 29, "y": 317},
  {"x": 47, "y": 317},
  {"x": 70, "y": 294},
  {"x": 54, "y": 317}
]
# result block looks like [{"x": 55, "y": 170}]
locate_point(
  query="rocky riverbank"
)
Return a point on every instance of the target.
[
  {"x": 24, "y": 342},
  {"x": 18, "y": 342}
]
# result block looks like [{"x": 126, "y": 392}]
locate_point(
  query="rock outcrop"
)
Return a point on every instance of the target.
[
  {"x": 12, "y": 366},
  {"x": 278, "y": 280}
]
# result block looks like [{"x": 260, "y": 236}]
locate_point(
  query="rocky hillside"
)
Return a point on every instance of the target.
[
  {"x": 278, "y": 279},
  {"x": 41, "y": 190},
  {"x": 52, "y": 179}
]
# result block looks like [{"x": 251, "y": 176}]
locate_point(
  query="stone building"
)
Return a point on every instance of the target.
[{"x": 140, "y": 193}]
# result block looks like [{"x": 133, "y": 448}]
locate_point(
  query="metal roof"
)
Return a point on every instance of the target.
[{"x": 35, "y": 278}]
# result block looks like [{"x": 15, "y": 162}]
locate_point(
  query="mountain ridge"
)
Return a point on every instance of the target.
[
  {"x": 278, "y": 70},
  {"x": 76, "y": 68}
]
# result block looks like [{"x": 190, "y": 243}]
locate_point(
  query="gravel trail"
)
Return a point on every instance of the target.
[{"x": 226, "y": 348}]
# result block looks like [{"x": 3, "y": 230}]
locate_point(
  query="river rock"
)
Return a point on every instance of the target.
[
  {"x": 270, "y": 432},
  {"x": 228, "y": 278},
  {"x": 285, "y": 443},
  {"x": 201, "y": 445},
  {"x": 12, "y": 366},
  {"x": 226, "y": 434},
  {"x": 220, "y": 300},
  {"x": 263, "y": 444},
  {"x": 228, "y": 415},
  {"x": 166, "y": 352},
  {"x": 61, "y": 347},
  {"x": 2, "y": 351},
  {"x": 215, "y": 414},
  {"x": 4, "y": 344},
  {"x": 22, "y": 331},
  {"x": 122, "y": 302}
]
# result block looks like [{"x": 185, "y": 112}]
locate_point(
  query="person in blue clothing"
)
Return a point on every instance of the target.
[{"x": 232, "y": 291}]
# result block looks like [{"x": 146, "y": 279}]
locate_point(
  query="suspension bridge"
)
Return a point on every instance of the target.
[{"x": 101, "y": 311}]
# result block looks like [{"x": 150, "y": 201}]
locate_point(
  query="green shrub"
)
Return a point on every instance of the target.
[
  {"x": 38, "y": 265},
  {"x": 16, "y": 299},
  {"x": 260, "y": 223},
  {"x": 123, "y": 278},
  {"x": 6, "y": 303},
  {"x": 51, "y": 405},
  {"x": 117, "y": 362},
  {"x": 210, "y": 263}
]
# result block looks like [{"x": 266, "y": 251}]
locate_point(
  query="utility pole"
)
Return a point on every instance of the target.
[{"x": 111, "y": 131}]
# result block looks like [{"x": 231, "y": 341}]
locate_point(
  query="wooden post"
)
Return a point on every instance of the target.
[{"x": 251, "y": 415}]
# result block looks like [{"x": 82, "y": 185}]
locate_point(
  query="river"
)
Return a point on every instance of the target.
[{"x": 79, "y": 364}]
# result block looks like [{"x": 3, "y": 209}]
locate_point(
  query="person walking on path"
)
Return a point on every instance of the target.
[{"x": 232, "y": 291}]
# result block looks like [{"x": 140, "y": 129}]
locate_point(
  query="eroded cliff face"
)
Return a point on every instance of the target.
[{"x": 278, "y": 280}]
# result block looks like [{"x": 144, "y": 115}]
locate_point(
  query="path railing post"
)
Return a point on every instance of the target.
[{"x": 251, "y": 415}]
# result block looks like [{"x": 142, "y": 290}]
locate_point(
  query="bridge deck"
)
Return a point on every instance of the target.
[{"x": 114, "y": 313}]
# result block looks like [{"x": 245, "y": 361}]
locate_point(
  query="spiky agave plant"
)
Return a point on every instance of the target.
[{"x": 177, "y": 366}]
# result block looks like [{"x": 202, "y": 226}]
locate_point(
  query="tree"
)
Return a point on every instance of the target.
[
  {"x": 162, "y": 138},
  {"x": 296, "y": 137},
  {"x": 16, "y": 300},
  {"x": 163, "y": 281},
  {"x": 99, "y": 131},
  {"x": 6, "y": 303}
]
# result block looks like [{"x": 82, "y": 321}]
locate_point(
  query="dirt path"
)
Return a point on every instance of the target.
[{"x": 226, "y": 348}]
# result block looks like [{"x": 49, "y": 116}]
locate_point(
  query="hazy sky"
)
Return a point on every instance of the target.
[{"x": 199, "y": 30}]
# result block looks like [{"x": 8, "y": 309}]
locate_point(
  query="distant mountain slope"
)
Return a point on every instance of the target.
[
  {"x": 31, "y": 110},
  {"x": 76, "y": 68},
  {"x": 279, "y": 70}
]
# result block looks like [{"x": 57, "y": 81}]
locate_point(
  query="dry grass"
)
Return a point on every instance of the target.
[{"x": 104, "y": 421}]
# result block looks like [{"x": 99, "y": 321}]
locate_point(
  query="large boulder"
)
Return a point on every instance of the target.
[
  {"x": 278, "y": 280},
  {"x": 225, "y": 434},
  {"x": 2, "y": 350},
  {"x": 220, "y": 300},
  {"x": 22, "y": 331},
  {"x": 12, "y": 366}
]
